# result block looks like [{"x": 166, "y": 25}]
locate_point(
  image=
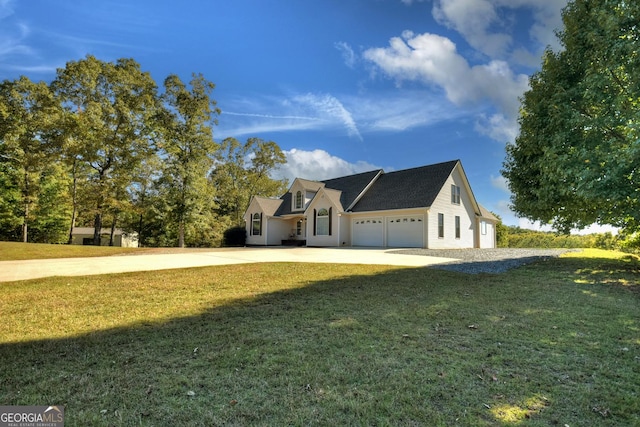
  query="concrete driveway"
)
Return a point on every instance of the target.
[{"x": 33, "y": 269}]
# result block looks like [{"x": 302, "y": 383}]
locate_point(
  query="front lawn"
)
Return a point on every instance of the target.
[{"x": 554, "y": 343}]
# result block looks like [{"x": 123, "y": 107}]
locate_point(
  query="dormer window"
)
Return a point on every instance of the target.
[{"x": 298, "y": 202}]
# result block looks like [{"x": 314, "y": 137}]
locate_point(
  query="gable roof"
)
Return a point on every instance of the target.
[
  {"x": 268, "y": 206},
  {"x": 408, "y": 188},
  {"x": 376, "y": 190},
  {"x": 351, "y": 186}
]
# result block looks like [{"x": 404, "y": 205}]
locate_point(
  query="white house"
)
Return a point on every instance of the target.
[
  {"x": 425, "y": 207},
  {"x": 84, "y": 236}
]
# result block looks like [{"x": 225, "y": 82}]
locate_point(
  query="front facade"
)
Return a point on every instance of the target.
[{"x": 426, "y": 207}]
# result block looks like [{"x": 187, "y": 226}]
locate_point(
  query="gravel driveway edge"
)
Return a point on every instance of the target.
[{"x": 475, "y": 261}]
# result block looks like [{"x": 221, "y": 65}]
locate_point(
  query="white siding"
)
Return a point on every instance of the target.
[
  {"x": 464, "y": 210},
  {"x": 487, "y": 234},
  {"x": 323, "y": 202}
]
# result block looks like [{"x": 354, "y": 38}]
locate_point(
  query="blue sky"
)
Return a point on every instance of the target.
[{"x": 343, "y": 86}]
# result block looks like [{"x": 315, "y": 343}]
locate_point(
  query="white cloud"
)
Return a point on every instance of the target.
[
  {"x": 318, "y": 165},
  {"x": 330, "y": 108},
  {"x": 348, "y": 55},
  {"x": 472, "y": 19},
  {"x": 498, "y": 127},
  {"x": 500, "y": 182},
  {"x": 434, "y": 60},
  {"x": 477, "y": 20}
]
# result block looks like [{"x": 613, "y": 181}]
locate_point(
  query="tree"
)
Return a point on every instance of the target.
[
  {"x": 242, "y": 171},
  {"x": 575, "y": 161},
  {"x": 27, "y": 111},
  {"x": 188, "y": 151},
  {"x": 114, "y": 106}
]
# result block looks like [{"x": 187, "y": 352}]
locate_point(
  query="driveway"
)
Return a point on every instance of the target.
[{"x": 33, "y": 269}]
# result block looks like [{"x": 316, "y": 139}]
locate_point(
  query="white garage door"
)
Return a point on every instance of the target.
[
  {"x": 367, "y": 232},
  {"x": 405, "y": 231}
]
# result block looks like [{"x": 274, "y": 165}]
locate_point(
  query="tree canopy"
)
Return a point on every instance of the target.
[
  {"x": 576, "y": 159},
  {"x": 100, "y": 144}
]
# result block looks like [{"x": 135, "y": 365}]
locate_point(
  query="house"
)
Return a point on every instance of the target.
[
  {"x": 84, "y": 236},
  {"x": 425, "y": 207}
]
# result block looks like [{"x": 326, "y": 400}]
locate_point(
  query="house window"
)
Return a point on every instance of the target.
[
  {"x": 299, "y": 227},
  {"x": 322, "y": 223},
  {"x": 256, "y": 225},
  {"x": 299, "y": 200},
  {"x": 455, "y": 194},
  {"x": 457, "y": 227},
  {"x": 483, "y": 227},
  {"x": 441, "y": 225}
]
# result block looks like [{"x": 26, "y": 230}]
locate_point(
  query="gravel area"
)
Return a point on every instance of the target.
[{"x": 474, "y": 261}]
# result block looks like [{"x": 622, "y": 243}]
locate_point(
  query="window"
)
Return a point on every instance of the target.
[
  {"x": 322, "y": 223},
  {"x": 457, "y": 227},
  {"x": 256, "y": 225},
  {"x": 483, "y": 227},
  {"x": 441, "y": 225},
  {"x": 299, "y": 200},
  {"x": 299, "y": 227},
  {"x": 455, "y": 194}
]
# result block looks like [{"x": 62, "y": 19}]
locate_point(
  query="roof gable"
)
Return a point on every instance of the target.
[
  {"x": 351, "y": 186},
  {"x": 266, "y": 205},
  {"x": 408, "y": 188}
]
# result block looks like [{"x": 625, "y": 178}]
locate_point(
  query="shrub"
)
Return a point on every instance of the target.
[{"x": 235, "y": 236}]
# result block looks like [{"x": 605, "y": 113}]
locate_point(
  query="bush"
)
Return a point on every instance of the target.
[{"x": 235, "y": 236}]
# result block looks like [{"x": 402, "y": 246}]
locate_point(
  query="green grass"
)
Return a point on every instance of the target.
[
  {"x": 14, "y": 251},
  {"x": 552, "y": 343}
]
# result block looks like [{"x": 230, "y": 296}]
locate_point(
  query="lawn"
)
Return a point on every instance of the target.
[
  {"x": 552, "y": 343},
  {"x": 14, "y": 251}
]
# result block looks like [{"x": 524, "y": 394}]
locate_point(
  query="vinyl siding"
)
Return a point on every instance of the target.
[{"x": 464, "y": 210}]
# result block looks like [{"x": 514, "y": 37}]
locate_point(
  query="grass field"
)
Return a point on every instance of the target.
[
  {"x": 553, "y": 343},
  {"x": 14, "y": 251}
]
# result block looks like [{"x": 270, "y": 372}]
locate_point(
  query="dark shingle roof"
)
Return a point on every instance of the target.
[
  {"x": 285, "y": 207},
  {"x": 351, "y": 186},
  {"x": 409, "y": 188}
]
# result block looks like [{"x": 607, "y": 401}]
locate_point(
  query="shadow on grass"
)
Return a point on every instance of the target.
[{"x": 404, "y": 347}]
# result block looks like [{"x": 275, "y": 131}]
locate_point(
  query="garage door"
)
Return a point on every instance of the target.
[
  {"x": 405, "y": 231},
  {"x": 367, "y": 232}
]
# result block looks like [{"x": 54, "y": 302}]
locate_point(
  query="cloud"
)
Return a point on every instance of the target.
[
  {"x": 318, "y": 165},
  {"x": 309, "y": 111},
  {"x": 394, "y": 111},
  {"x": 477, "y": 20},
  {"x": 348, "y": 55},
  {"x": 500, "y": 182},
  {"x": 435, "y": 61},
  {"x": 472, "y": 19},
  {"x": 330, "y": 108}
]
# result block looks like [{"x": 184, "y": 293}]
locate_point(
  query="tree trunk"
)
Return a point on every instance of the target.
[
  {"x": 97, "y": 227},
  {"x": 25, "y": 226},
  {"x": 181, "y": 235},
  {"x": 113, "y": 229},
  {"x": 27, "y": 202},
  {"x": 74, "y": 202}
]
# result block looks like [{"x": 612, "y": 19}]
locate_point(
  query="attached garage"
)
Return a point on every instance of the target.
[
  {"x": 405, "y": 231},
  {"x": 368, "y": 232}
]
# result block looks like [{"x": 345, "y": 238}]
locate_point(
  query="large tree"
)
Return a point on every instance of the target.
[
  {"x": 114, "y": 105},
  {"x": 27, "y": 112},
  {"x": 188, "y": 151},
  {"x": 576, "y": 160}
]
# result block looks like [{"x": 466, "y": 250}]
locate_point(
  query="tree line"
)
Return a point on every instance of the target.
[{"x": 102, "y": 145}]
